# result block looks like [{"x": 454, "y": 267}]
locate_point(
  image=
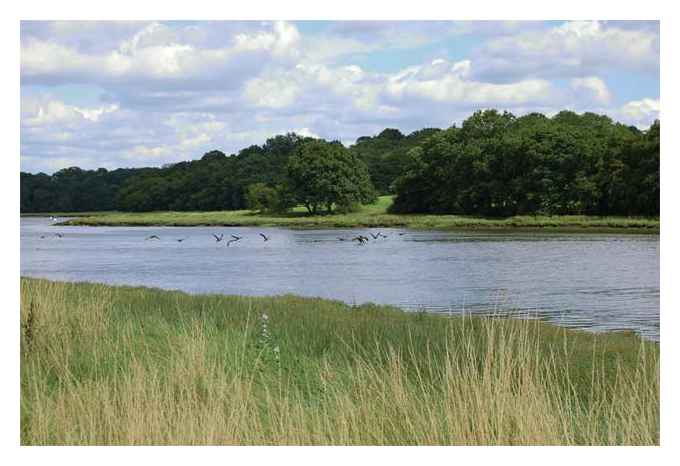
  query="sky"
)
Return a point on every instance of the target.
[{"x": 143, "y": 93}]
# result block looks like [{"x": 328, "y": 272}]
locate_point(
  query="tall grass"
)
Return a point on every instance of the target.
[
  {"x": 372, "y": 216},
  {"x": 118, "y": 365}
]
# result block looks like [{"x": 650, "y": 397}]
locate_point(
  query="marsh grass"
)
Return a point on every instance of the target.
[
  {"x": 371, "y": 216},
  {"x": 133, "y": 366}
]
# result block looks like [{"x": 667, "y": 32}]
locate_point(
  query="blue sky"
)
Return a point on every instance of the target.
[{"x": 130, "y": 94}]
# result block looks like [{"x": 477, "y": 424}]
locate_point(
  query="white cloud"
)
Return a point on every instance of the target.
[
  {"x": 172, "y": 91},
  {"x": 196, "y": 141},
  {"x": 443, "y": 81},
  {"x": 306, "y": 132},
  {"x": 39, "y": 112},
  {"x": 157, "y": 53},
  {"x": 594, "y": 86},
  {"x": 272, "y": 92},
  {"x": 641, "y": 113},
  {"x": 572, "y": 48},
  {"x": 146, "y": 152},
  {"x": 281, "y": 40}
]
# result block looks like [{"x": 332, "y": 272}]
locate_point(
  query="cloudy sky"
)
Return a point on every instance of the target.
[{"x": 130, "y": 94}]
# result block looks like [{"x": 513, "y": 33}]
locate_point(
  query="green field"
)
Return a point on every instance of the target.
[
  {"x": 371, "y": 216},
  {"x": 119, "y": 365}
]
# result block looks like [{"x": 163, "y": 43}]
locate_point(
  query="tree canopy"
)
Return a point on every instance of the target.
[
  {"x": 496, "y": 164},
  {"x": 386, "y": 155},
  {"x": 493, "y": 164},
  {"x": 323, "y": 175}
]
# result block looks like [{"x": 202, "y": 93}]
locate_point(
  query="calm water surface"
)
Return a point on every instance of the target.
[{"x": 596, "y": 282}]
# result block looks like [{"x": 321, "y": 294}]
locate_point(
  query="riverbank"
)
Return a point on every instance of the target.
[
  {"x": 120, "y": 365},
  {"x": 373, "y": 216}
]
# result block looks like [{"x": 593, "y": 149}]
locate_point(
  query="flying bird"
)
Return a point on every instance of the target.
[
  {"x": 231, "y": 241},
  {"x": 218, "y": 238},
  {"x": 58, "y": 235},
  {"x": 264, "y": 237},
  {"x": 361, "y": 239},
  {"x": 179, "y": 240},
  {"x": 375, "y": 236},
  {"x": 152, "y": 237},
  {"x": 236, "y": 237}
]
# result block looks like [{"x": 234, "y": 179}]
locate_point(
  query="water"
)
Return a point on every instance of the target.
[{"x": 595, "y": 282}]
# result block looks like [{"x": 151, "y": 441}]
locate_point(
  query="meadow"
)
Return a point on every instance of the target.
[
  {"x": 371, "y": 216},
  {"x": 104, "y": 365}
]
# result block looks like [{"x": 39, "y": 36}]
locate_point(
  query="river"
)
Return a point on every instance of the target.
[{"x": 597, "y": 282}]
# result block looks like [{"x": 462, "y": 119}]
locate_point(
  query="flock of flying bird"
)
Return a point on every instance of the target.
[
  {"x": 218, "y": 238},
  {"x": 364, "y": 239}
]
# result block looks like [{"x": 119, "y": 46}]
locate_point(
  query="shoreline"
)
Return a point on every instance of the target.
[
  {"x": 367, "y": 216},
  {"x": 555, "y": 224},
  {"x": 510, "y": 314}
]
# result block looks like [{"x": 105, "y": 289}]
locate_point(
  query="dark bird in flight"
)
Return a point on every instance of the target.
[
  {"x": 236, "y": 238},
  {"x": 153, "y": 237},
  {"x": 382, "y": 235},
  {"x": 341, "y": 239},
  {"x": 375, "y": 236},
  {"x": 58, "y": 235},
  {"x": 264, "y": 237},
  {"x": 361, "y": 239},
  {"x": 179, "y": 240},
  {"x": 218, "y": 238}
]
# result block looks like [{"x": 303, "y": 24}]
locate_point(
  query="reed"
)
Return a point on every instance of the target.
[{"x": 135, "y": 366}]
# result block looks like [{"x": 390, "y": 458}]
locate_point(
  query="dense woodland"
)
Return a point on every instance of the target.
[{"x": 494, "y": 164}]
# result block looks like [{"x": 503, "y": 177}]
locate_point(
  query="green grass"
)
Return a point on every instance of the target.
[
  {"x": 371, "y": 216},
  {"x": 127, "y": 366}
]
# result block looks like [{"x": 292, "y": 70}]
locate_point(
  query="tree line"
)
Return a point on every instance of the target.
[{"x": 494, "y": 164}]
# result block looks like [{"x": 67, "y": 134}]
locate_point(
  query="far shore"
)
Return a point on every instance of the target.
[{"x": 369, "y": 216}]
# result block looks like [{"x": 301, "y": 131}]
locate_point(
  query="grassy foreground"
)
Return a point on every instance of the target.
[
  {"x": 118, "y": 365},
  {"x": 371, "y": 216}
]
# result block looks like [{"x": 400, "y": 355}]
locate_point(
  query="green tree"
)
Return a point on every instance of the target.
[
  {"x": 261, "y": 197},
  {"x": 323, "y": 175}
]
